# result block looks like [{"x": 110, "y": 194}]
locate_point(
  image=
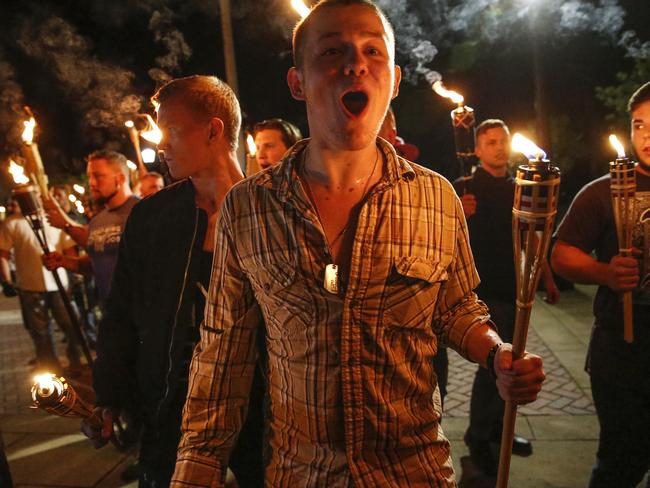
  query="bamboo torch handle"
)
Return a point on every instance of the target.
[
  {"x": 522, "y": 320},
  {"x": 628, "y": 327}
]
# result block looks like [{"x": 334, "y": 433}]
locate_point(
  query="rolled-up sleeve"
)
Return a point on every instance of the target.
[
  {"x": 460, "y": 311},
  {"x": 222, "y": 368}
]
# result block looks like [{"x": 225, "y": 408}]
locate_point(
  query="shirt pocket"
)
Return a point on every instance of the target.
[
  {"x": 282, "y": 294},
  {"x": 412, "y": 292}
]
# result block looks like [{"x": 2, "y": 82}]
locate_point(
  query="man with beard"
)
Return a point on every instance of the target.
[
  {"x": 157, "y": 299},
  {"x": 350, "y": 261},
  {"x": 619, "y": 372},
  {"x": 108, "y": 178}
]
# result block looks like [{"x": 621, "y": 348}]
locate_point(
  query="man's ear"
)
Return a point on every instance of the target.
[
  {"x": 398, "y": 78},
  {"x": 216, "y": 129},
  {"x": 294, "y": 80}
]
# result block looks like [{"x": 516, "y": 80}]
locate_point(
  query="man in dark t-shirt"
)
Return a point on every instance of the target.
[
  {"x": 619, "y": 372},
  {"x": 487, "y": 197}
]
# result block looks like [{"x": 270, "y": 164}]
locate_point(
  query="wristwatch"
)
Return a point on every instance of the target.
[{"x": 489, "y": 362}]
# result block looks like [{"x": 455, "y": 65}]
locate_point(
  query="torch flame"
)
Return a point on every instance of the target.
[
  {"x": 79, "y": 189},
  {"x": 300, "y": 7},
  {"x": 440, "y": 89},
  {"x": 613, "y": 140},
  {"x": 154, "y": 134},
  {"x": 250, "y": 142},
  {"x": 131, "y": 165},
  {"x": 45, "y": 383},
  {"x": 28, "y": 133},
  {"x": 128, "y": 123},
  {"x": 18, "y": 173},
  {"x": 148, "y": 155},
  {"x": 526, "y": 146}
]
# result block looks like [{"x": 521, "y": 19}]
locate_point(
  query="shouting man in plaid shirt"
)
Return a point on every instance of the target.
[{"x": 357, "y": 263}]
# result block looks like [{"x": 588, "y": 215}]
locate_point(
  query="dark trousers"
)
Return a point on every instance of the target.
[
  {"x": 623, "y": 456},
  {"x": 158, "y": 451},
  {"x": 5, "y": 475},
  {"x": 486, "y": 406}
]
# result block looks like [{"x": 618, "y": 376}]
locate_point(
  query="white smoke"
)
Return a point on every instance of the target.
[
  {"x": 11, "y": 102},
  {"x": 102, "y": 91},
  {"x": 162, "y": 26}
]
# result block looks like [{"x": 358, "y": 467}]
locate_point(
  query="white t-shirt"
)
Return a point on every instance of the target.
[{"x": 17, "y": 234}]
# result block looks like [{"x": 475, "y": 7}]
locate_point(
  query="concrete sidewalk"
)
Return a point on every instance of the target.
[{"x": 47, "y": 451}]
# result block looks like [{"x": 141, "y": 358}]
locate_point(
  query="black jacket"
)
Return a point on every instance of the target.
[{"x": 142, "y": 351}]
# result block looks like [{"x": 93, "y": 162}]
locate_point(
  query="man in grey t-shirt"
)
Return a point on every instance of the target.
[{"x": 108, "y": 177}]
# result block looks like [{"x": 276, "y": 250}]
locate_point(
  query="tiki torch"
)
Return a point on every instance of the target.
[
  {"x": 145, "y": 127},
  {"x": 623, "y": 188},
  {"x": 300, "y": 7},
  {"x": 56, "y": 396},
  {"x": 32, "y": 156},
  {"x": 25, "y": 195},
  {"x": 463, "y": 122},
  {"x": 251, "y": 161},
  {"x": 537, "y": 187}
]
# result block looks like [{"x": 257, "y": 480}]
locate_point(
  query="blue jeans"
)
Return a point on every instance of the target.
[
  {"x": 623, "y": 456},
  {"x": 37, "y": 308}
]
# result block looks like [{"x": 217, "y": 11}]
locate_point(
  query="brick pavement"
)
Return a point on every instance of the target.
[{"x": 561, "y": 395}]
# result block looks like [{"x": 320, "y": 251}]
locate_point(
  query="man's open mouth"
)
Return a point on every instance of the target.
[{"x": 355, "y": 102}]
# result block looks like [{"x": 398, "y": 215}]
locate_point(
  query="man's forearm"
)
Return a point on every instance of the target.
[
  {"x": 80, "y": 264},
  {"x": 577, "y": 266},
  {"x": 78, "y": 232},
  {"x": 5, "y": 272},
  {"x": 481, "y": 340}
]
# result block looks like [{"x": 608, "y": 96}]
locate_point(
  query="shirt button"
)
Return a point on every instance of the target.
[{"x": 267, "y": 286}]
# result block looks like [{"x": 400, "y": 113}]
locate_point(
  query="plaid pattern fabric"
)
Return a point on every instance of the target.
[{"x": 351, "y": 381}]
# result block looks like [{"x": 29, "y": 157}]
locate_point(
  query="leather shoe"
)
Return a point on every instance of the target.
[{"x": 521, "y": 446}]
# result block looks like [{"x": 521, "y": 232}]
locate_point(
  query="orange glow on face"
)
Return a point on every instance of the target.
[
  {"x": 28, "y": 133},
  {"x": 18, "y": 173},
  {"x": 616, "y": 144},
  {"x": 440, "y": 89}
]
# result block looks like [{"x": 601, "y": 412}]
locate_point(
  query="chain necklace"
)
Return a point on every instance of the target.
[{"x": 331, "y": 281}]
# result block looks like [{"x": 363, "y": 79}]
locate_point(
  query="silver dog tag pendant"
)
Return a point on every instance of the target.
[{"x": 331, "y": 282}]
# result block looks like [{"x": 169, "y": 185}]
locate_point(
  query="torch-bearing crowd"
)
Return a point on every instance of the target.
[{"x": 289, "y": 328}]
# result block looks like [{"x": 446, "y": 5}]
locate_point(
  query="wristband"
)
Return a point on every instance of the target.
[{"x": 489, "y": 362}]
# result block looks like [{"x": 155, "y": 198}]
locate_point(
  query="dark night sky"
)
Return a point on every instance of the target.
[{"x": 84, "y": 66}]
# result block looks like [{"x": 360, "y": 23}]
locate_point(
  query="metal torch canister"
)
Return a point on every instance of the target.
[
  {"x": 25, "y": 196},
  {"x": 56, "y": 396},
  {"x": 537, "y": 186},
  {"x": 623, "y": 188},
  {"x": 463, "y": 122}
]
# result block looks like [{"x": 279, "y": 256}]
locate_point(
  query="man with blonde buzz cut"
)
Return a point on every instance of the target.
[{"x": 349, "y": 262}]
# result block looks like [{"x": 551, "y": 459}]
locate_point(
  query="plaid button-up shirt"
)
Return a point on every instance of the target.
[{"x": 350, "y": 377}]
